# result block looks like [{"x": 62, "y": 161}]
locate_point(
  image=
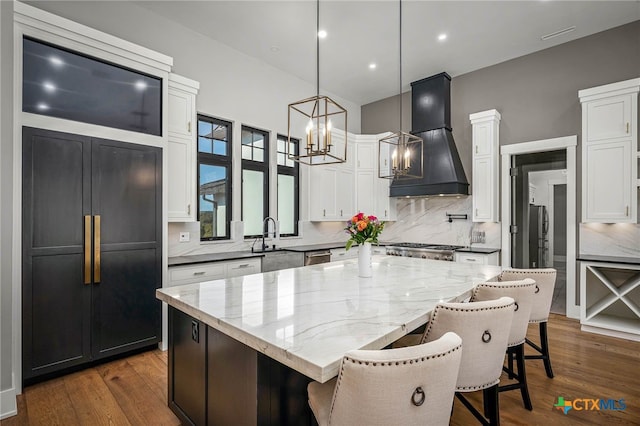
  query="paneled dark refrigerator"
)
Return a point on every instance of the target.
[{"x": 91, "y": 249}]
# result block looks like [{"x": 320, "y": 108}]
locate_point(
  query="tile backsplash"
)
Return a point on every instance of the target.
[
  {"x": 419, "y": 220},
  {"x": 617, "y": 239}
]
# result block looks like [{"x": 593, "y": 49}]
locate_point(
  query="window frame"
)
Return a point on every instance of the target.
[
  {"x": 225, "y": 161},
  {"x": 290, "y": 171},
  {"x": 258, "y": 166}
]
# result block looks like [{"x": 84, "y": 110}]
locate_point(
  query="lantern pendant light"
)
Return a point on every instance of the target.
[
  {"x": 323, "y": 121},
  {"x": 400, "y": 153}
]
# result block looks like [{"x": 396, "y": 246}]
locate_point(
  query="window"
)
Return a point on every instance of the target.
[
  {"x": 214, "y": 178},
  {"x": 255, "y": 180},
  {"x": 61, "y": 83},
  {"x": 288, "y": 188}
]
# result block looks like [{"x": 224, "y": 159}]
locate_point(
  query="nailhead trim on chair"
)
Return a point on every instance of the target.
[
  {"x": 473, "y": 309},
  {"x": 479, "y": 387},
  {"x": 527, "y": 273},
  {"x": 384, "y": 363}
]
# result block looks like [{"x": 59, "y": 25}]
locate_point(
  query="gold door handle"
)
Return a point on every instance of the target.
[
  {"x": 96, "y": 249},
  {"x": 87, "y": 249}
]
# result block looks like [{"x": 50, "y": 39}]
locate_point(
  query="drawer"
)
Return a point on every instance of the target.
[
  {"x": 479, "y": 259},
  {"x": 243, "y": 267},
  {"x": 342, "y": 254},
  {"x": 195, "y": 273}
]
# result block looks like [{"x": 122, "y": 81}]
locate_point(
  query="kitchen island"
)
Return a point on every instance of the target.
[{"x": 242, "y": 350}]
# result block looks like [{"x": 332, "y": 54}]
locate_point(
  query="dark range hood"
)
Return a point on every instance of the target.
[{"x": 431, "y": 120}]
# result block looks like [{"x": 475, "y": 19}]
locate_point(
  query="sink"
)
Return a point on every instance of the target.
[
  {"x": 266, "y": 250},
  {"x": 276, "y": 259}
]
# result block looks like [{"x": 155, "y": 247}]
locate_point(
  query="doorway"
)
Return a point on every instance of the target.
[
  {"x": 541, "y": 197},
  {"x": 538, "y": 240}
]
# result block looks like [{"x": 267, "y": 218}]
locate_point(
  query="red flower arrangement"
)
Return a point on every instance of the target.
[{"x": 363, "y": 229}]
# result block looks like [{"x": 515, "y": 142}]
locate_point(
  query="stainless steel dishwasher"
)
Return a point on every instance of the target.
[{"x": 317, "y": 256}]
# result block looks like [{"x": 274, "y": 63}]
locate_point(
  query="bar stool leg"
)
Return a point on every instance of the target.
[
  {"x": 544, "y": 343},
  {"x": 522, "y": 377},
  {"x": 492, "y": 402}
]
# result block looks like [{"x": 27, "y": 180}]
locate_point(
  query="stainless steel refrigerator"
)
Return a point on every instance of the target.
[{"x": 538, "y": 236}]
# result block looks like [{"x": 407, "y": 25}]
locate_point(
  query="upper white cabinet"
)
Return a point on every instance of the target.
[
  {"x": 338, "y": 191},
  {"x": 485, "y": 178},
  {"x": 610, "y": 152},
  {"x": 331, "y": 188},
  {"x": 181, "y": 150}
]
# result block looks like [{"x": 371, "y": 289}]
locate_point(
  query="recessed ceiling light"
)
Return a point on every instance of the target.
[
  {"x": 442, "y": 37},
  {"x": 49, "y": 87},
  {"x": 56, "y": 61},
  {"x": 140, "y": 85},
  {"x": 275, "y": 49},
  {"x": 557, "y": 33},
  {"x": 42, "y": 106},
  {"x": 322, "y": 34},
  {"x": 372, "y": 66}
]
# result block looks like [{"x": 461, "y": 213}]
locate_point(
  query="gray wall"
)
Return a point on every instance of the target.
[
  {"x": 6, "y": 170},
  {"x": 536, "y": 94}
]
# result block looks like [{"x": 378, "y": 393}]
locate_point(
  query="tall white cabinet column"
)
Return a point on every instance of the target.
[
  {"x": 181, "y": 153},
  {"x": 610, "y": 152},
  {"x": 485, "y": 177}
]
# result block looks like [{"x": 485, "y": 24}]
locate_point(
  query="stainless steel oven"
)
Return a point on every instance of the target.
[{"x": 316, "y": 257}]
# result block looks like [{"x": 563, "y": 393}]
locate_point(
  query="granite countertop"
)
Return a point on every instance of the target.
[
  {"x": 211, "y": 257},
  {"x": 611, "y": 259},
  {"x": 482, "y": 250},
  {"x": 329, "y": 309}
]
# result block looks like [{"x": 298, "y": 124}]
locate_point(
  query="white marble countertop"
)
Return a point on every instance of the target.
[{"x": 307, "y": 318}]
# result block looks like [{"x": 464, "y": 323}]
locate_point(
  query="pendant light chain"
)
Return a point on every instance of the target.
[
  {"x": 317, "y": 47},
  {"x": 400, "y": 75}
]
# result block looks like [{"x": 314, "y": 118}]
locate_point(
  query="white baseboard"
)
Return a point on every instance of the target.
[{"x": 8, "y": 406}]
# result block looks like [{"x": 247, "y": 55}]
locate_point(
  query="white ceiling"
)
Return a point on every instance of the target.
[{"x": 480, "y": 33}]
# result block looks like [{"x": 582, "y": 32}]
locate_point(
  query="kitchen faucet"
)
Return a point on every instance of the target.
[{"x": 265, "y": 230}]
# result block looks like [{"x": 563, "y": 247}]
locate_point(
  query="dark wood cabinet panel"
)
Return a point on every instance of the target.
[
  {"x": 187, "y": 367},
  {"x": 76, "y": 309}
]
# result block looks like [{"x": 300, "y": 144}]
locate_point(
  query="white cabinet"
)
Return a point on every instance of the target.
[
  {"x": 610, "y": 299},
  {"x": 485, "y": 178},
  {"x": 477, "y": 258},
  {"x": 187, "y": 274},
  {"x": 181, "y": 150},
  {"x": 331, "y": 190},
  {"x": 610, "y": 152},
  {"x": 338, "y": 191},
  {"x": 343, "y": 254}
]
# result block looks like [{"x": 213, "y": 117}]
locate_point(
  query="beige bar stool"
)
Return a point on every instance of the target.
[
  {"x": 522, "y": 294},
  {"x": 405, "y": 386},
  {"x": 484, "y": 328},
  {"x": 545, "y": 283}
]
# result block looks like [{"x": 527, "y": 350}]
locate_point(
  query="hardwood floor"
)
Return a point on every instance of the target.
[{"x": 132, "y": 391}]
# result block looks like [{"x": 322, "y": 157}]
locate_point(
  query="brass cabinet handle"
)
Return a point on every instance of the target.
[
  {"x": 96, "y": 249},
  {"x": 476, "y": 149},
  {"x": 189, "y": 127},
  {"x": 87, "y": 249},
  {"x": 626, "y": 211},
  {"x": 188, "y": 208},
  {"x": 627, "y": 127}
]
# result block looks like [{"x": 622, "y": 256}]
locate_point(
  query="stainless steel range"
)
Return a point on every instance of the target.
[{"x": 424, "y": 251}]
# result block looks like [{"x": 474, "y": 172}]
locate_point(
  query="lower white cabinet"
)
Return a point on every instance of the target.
[
  {"x": 187, "y": 274},
  {"x": 610, "y": 299},
  {"x": 477, "y": 258},
  {"x": 342, "y": 254}
]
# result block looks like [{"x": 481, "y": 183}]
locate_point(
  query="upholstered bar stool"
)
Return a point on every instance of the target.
[
  {"x": 522, "y": 294},
  {"x": 484, "y": 328},
  {"x": 545, "y": 283},
  {"x": 405, "y": 386}
]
